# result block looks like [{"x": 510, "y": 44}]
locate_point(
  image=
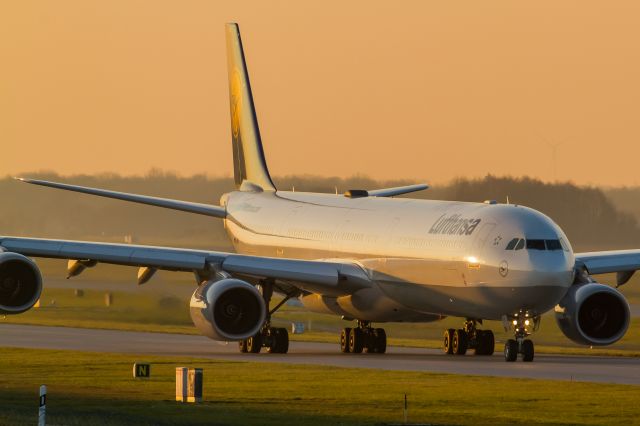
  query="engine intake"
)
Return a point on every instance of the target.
[
  {"x": 229, "y": 309},
  {"x": 593, "y": 314},
  {"x": 20, "y": 283}
]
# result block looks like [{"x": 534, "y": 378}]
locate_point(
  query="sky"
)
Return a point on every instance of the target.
[{"x": 421, "y": 90}]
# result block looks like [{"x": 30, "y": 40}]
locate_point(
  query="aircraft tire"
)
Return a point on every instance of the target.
[
  {"x": 272, "y": 337},
  {"x": 486, "y": 343},
  {"x": 459, "y": 342},
  {"x": 527, "y": 350},
  {"x": 282, "y": 335},
  {"x": 380, "y": 341},
  {"x": 356, "y": 338},
  {"x": 254, "y": 344},
  {"x": 344, "y": 340},
  {"x": 447, "y": 347},
  {"x": 242, "y": 345},
  {"x": 510, "y": 350}
]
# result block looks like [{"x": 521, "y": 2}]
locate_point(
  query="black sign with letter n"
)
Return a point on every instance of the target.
[{"x": 141, "y": 370}]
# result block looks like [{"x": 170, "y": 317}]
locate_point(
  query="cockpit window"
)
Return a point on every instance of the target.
[
  {"x": 553, "y": 244},
  {"x": 535, "y": 244},
  {"x": 512, "y": 244}
]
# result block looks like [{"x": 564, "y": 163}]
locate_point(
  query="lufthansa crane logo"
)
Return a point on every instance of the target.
[{"x": 236, "y": 103}]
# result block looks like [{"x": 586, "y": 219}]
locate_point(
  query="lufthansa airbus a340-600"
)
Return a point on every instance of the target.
[{"x": 362, "y": 255}]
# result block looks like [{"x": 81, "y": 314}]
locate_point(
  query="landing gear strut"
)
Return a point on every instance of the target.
[
  {"x": 521, "y": 345},
  {"x": 275, "y": 339},
  {"x": 363, "y": 338},
  {"x": 458, "y": 341}
]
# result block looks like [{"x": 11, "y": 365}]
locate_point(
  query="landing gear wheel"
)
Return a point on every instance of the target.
[
  {"x": 356, "y": 337},
  {"x": 527, "y": 350},
  {"x": 490, "y": 342},
  {"x": 459, "y": 342},
  {"x": 510, "y": 350},
  {"x": 271, "y": 341},
  {"x": 381, "y": 341},
  {"x": 242, "y": 345},
  {"x": 254, "y": 344},
  {"x": 278, "y": 341},
  {"x": 369, "y": 346},
  {"x": 284, "y": 340},
  {"x": 376, "y": 341},
  {"x": 344, "y": 340},
  {"x": 486, "y": 342},
  {"x": 447, "y": 346}
]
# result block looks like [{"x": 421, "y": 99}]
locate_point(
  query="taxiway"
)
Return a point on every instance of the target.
[{"x": 555, "y": 367}]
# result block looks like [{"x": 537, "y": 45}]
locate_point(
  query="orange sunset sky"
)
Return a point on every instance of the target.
[{"x": 425, "y": 90}]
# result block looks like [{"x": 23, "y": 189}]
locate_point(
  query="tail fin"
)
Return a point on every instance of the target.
[{"x": 249, "y": 163}]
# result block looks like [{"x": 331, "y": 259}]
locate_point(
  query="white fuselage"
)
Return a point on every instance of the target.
[{"x": 427, "y": 259}]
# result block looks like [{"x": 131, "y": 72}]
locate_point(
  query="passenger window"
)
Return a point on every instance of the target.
[
  {"x": 535, "y": 244},
  {"x": 512, "y": 244},
  {"x": 553, "y": 244},
  {"x": 520, "y": 245}
]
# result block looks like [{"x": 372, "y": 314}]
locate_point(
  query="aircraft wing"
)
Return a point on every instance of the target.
[
  {"x": 324, "y": 277},
  {"x": 185, "y": 206},
  {"x": 623, "y": 262}
]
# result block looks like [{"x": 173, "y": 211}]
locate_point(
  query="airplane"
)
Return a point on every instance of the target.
[{"x": 363, "y": 255}]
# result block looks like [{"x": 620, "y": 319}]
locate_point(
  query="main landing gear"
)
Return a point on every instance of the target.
[
  {"x": 458, "y": 341},
  {"x": 363, "y": 338},
  {"x": 521, "y": 345},
  {"x": 275, "y": 339}
]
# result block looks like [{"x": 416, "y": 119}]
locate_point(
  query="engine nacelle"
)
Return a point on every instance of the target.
[
  {"x": 593, "y": 314},
  {"x": 20, "y": 283},
  {"x": 228, "y": 309}
]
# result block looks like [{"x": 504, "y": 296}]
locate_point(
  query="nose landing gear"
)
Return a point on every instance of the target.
[
  {"x": 470, "y": 337},
  {"x": 521, "y": 323}
]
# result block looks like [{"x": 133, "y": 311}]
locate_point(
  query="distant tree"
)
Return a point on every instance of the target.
[{"x": 586, "y": 214}]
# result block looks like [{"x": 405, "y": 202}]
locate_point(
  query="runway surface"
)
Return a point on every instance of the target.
[{"x": 555, "y": 367}]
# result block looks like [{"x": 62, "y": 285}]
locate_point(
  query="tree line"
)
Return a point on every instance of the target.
[{"x": 590, "y": 218}]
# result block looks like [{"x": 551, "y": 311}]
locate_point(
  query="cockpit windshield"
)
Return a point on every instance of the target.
[{"x": 535, "y": 244}]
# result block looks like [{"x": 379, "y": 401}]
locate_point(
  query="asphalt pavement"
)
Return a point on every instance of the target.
[{"x": 555, "y": 367}]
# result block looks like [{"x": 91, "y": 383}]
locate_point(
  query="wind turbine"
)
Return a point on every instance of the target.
[{"x": 554, "y": 145}]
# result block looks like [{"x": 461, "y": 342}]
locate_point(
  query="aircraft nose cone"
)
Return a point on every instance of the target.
[{"x": 551, "y": 268}]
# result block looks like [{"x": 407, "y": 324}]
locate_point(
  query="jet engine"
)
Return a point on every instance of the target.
[
  {"x": 593, "y": 314},
  {"x": 20, "y": 283},
  {"x": 228, "y": 309}
]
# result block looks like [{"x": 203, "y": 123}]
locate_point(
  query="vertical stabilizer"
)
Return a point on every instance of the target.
[{"x": 249, "y": 164}]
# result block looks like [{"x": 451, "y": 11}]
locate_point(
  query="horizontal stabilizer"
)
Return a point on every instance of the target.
[
  {"x": 399, "y": 190},
  {"x": 185, "y": 206}
]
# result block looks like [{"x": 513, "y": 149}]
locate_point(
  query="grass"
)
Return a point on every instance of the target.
[{"x": 89, "y": 388}]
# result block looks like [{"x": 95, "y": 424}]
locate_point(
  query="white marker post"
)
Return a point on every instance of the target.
[{"x": 43, "y": 406}]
